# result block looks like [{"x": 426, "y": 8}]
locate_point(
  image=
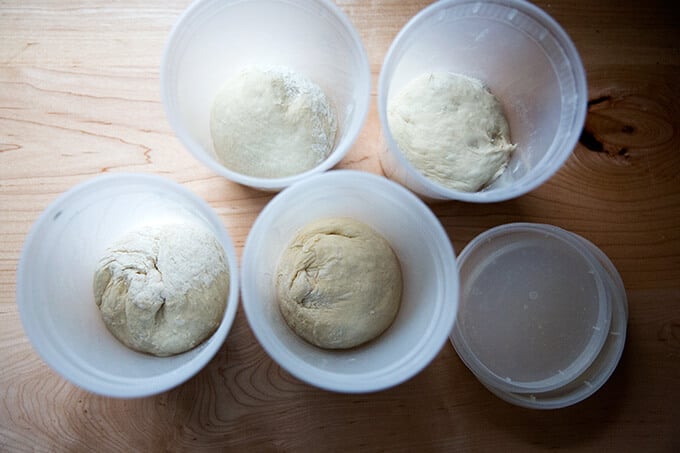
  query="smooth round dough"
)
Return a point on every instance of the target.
[
  {"x": 272, "y": 123},
  {"x": 339, "y": 283},
  {"x": 452, "y": 129},
  {"x": 163, "y": 289}
]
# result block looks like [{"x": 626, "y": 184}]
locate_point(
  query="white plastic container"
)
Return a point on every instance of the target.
[
  {"x": 542, "y": 314},
  {"x": 54, "y": 283},
  {"x": 215, "y": 39},
  {"x": 526, "y": 60},
  {"x": 430, "y": 294}
]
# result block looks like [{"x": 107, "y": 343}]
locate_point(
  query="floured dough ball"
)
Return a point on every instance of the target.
[
  {"x": 452, "y": 129},
  {"x": 163, "y": 289},
  {"x": 338, "y": 283},
  {"x": 272, "y": 123}
]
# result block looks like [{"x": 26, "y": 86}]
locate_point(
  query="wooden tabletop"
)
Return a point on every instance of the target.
[{"x": 79, "y": 96}]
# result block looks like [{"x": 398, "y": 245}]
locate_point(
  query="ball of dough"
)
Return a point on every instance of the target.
[
  {"x": 452, "y": 129},
  {"x": 338, "y": 283},
  {"x": 163, "y": 289},
  {"x": 272, "y": 123}
]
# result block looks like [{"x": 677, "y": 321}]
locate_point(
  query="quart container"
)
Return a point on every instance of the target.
[
  {"x": 430, "y": 291},
  {"x": 215, "y": 39},
  {"x": 523, "y": 57},
  {"x": 55, "y": 277}
]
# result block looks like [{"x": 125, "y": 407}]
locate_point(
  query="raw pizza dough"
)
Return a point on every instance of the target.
[
  {"x": 338, "y": 283},
  {"x": 452, "y": 129},
  {"x": 272, "y": 123},
  {"x": 163, "y": 289}
]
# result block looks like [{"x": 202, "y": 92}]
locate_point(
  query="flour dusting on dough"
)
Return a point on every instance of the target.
[
  {"x": 272, "y": 122},
  {"x": 163, "y": 289}
]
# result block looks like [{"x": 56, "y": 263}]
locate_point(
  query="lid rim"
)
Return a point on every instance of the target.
[{"x": 591, "y": 350}]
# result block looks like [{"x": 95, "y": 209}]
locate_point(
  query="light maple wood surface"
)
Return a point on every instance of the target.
[{"x": 79, "y": 96}]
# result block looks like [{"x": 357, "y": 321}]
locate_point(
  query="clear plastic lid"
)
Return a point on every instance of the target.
[{"x": 534, "y": 310}]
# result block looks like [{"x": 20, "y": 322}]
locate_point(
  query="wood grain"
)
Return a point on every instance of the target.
[{"x": 79, "y": 96}]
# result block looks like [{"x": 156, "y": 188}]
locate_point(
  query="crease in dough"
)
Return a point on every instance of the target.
[{"x": 339, "y": 283}]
